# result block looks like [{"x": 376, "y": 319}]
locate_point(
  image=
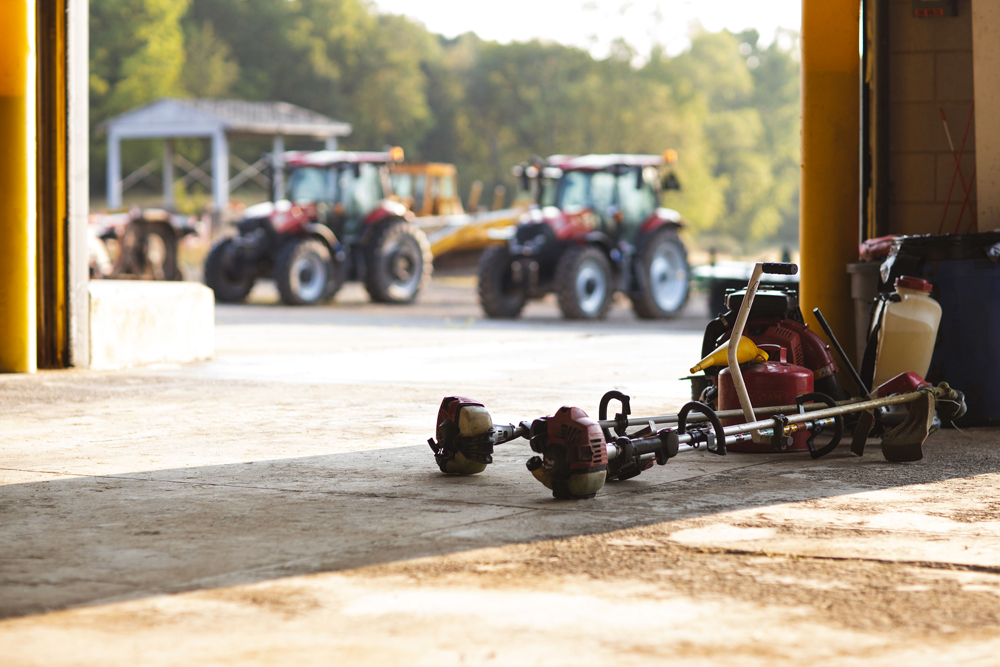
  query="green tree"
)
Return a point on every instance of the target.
[
  {"x": 136, "y": 53},
  {"x": 210, "y": 69}
]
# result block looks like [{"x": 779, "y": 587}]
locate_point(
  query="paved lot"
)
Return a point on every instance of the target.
[{"x": 278, "y": 505}]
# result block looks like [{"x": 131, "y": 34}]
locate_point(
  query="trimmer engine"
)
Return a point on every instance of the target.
[
  {"x": 574, "y": 455},
  {"x": 466, "y": 435}
]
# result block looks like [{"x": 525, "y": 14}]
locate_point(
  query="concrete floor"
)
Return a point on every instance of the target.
[{"x": 278, "y": 505}]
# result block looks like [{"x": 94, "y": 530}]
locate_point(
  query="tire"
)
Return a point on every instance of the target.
[
  {"x": 398, "y": 262},
  {"x": 158, "y": 245},
  {"x": 148, "y": 251},
  {"x": 583, "y": 283},
  {"x": 303, "y": 270},
  {"x": 224, "y": 274},
  {"x": 498, "y": 295},
  {"x": 662, "y": 276}
]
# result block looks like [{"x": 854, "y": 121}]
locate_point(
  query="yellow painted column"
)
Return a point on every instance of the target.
[
  {"x": 828, "y": 205},
  {"x": 17, "y": 176}
]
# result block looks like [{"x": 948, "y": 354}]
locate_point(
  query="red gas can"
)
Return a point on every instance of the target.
[{"x": 774, "y": 382}]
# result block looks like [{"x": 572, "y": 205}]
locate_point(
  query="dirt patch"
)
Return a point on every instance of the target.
[
  {"x": 285, "y": 600},
  {"x": 855, "y": 594}
]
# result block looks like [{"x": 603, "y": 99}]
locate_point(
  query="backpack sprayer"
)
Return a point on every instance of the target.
[{"x": 576, "y": 454}]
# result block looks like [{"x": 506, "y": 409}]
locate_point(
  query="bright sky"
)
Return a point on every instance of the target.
[{"x": 593, "y": 24}]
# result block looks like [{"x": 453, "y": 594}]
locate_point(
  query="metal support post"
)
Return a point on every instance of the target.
[
  {"x": 168, "y": 174},
  {"x": 279, "y": 166},
  {"x": 829, "y": 225},
  {"x": 114, "y": 186},
  {"x": 220, "y": 171}
]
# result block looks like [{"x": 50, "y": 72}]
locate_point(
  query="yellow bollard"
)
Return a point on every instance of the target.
[
  {"x": 829, "y": 219},
  {"x": 17, "y": 174}
]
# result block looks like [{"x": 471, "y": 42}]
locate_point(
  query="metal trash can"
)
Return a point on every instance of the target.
[{"x": 865, "y": 287}]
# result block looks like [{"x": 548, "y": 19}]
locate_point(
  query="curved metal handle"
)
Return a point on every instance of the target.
[{"x": 734, "y": 342}]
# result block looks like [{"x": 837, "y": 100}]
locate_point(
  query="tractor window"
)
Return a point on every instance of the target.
[
  {"x": 447, "y": 187},
  {"x": 602, "y": 191},
  {"x": 548, "y": 196},
  {"x": 419, "y": 187},
  {"x": 402, "y": 185},
  {"x": 637, "y": 204},
  {"x": 574, "y": 190},
  {"x": 362, "y": 193},
  {"x": 310, "y": 184}
]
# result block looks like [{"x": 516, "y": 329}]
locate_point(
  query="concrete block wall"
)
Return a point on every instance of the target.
[{"x": 930, "y": 68}]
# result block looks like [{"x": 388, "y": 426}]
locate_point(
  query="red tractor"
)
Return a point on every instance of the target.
[
  {"x": 338, "y": 223},
  {"x": 596, "y": 228}
]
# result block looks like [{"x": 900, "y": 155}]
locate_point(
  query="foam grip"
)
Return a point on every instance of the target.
[{"x": 783, "y": 268}]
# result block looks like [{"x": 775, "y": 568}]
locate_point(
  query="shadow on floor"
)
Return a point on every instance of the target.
[{"x": 84, "y": 540}]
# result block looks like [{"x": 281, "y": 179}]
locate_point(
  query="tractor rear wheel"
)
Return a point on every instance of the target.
[
  {"x": 224, "y": 273},
  {"x": 499, "y": 295},
  {"x": 303, "y": 270},
  {"x": 149, "y": 251},
  {"x": 583, "y": 284},
  {"x": 662, "y": 276},
  {"x": 398, "y": 262}
]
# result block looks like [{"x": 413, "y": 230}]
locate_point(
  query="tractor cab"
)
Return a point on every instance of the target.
[
  {"x": 428, "y": 188},
  {"x": 345, "y": 188},
  {"x": 615, "y": 195},
  {"x": 594, "y": 227}
]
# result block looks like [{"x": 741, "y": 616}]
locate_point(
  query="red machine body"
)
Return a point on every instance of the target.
[
  {"x": 903, "y": 383},
  {"x": 579, "y": 438},
  {"x": 775, "y": 382},
  {"x": 574, "y": 459}
]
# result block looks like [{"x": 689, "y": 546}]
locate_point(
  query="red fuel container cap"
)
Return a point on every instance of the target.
[{"x": 909, "y": 282}]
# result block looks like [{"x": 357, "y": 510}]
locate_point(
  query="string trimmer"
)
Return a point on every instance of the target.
[{"x": 577, "y": 454}]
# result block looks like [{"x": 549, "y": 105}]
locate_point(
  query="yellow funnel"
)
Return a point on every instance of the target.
[{"x": 746, "y": 351}]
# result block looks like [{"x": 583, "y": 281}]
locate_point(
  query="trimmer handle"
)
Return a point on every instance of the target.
[{"x": 783, "y": 268}]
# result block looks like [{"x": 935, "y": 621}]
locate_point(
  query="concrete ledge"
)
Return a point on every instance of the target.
[{"x": 134, "y": 323}]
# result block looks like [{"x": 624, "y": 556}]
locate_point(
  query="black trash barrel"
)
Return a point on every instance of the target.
[{"x": 965, "y": 272}]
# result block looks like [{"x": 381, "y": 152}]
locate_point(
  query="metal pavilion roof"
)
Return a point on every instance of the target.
[{"x": 169, "y": 117}]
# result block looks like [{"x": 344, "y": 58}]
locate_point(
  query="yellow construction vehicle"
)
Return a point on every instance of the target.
[{"x": 430, "y": 190}]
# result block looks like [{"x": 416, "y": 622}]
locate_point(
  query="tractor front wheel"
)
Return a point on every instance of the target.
[
  {"x": 583, "y": 284},
  {"x": 499, "y": 295},
  {"x": 303, "y": 271},
  {"x": 225, "y": 275},
  {"x": 397, "y": 262},
  {"x": 662, "y": 276}
]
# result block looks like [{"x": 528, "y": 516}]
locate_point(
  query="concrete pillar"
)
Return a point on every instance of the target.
[
  {"x": 331, "y": 143},
  {"x": 986, "y": 64},
  {"x": 279, "y": 167},
  {"x": 829, "y": 209},
  {"x": 168, "y": 174},
  {"x": 77, "y": 182},
  {"x": 18, "y": 325},
  {"x": 220, "y": 171},
  {"x": 114, "y": 187}
]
